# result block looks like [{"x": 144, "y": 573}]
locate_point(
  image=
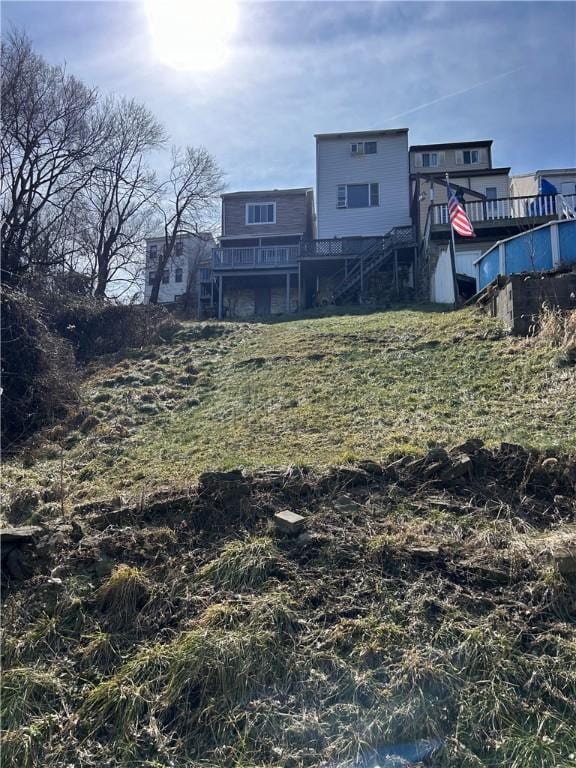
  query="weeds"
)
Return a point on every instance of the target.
[
  {"x": 123, "y": 595},
  {"x": 28, "y": 692},
  {"x": 244, "y": 565}
]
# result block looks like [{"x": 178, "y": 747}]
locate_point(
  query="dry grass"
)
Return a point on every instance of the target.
[
  {"x": 244, "y": 565},
  {"x": 123, "y": 595},
  {"x": 557, "y": 329}
]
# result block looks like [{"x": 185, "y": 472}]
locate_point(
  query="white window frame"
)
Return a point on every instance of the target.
[
  {"x": 344, "y": 198},
  {"x": 460, "y": 157},
  {"x": 359, "y": 148},
  {"x": 430, "y": 155},
  {"x": 259, "y": 223}
]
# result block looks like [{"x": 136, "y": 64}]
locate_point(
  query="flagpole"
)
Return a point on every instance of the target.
[{"x": 452, "y": 250}]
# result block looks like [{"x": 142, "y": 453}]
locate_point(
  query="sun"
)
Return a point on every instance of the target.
[{"x": 192, "y": 34}]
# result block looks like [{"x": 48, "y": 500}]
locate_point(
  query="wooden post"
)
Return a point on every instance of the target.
[
  {"x": 396, "y": 282},
  {"x": 361, "y": 274},
  {"x": 288, "y": 292},
  {"x": 300, "y": 307},
  {"x": 220, "y": 296}
]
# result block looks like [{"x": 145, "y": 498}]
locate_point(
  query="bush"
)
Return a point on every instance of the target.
[
  {"x": 39, "y": 378},
  {"x": 97, "y": 327}
]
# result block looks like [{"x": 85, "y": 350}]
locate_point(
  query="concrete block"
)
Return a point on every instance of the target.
[{"x": 289, "y": 522}]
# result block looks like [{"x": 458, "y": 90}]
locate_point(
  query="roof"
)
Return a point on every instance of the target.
[
  {"x": 452, "y": 145},
  {"x": 361, "y": 134},
  {"x": 268, "y": 192},
  {"x": 199, "y": 235},
  {"x": 548, "y": 172},
  {"x": 462, "y": 174}
]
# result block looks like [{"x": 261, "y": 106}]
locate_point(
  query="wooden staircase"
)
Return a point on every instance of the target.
[{"x": 378, "y": 254}]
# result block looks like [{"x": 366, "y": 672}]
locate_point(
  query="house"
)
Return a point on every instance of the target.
[
  {"x": 495, "y": 207},
  {"x": 547, "y": 182},
  {"x": 362, "y": 186},
  {"x": 365, "y": 231},
  {"x": 187, "y": 278},
  {"x": 256, "y": 264}
]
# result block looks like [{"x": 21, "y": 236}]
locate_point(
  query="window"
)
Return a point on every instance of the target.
[
  {"x": 358, "y": 196},
  {"x": 468, "y": 157},
  {"x": 153, "y": 251},
  {"x": 178, "y": 275},
  {"x": 151, "y": 277},
  {"x": 179, "y": 247},
  {"x": 260, "y": 213},
  {"x": 364, "y": 148},
  {"x": 429, "y": 159},
  {"x": 166, "y": 276},
  {"x": 491, "y": 204}
]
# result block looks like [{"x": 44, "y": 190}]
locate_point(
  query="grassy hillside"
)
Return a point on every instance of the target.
[
  {"x": 316, "y": 391},
  {"x": 431, "y": 599}
]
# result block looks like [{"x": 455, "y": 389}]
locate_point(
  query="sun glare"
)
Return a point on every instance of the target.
[{"x": 192, "y": 34}]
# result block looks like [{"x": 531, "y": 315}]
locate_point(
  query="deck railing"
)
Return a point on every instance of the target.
[
  {"x": 256, "y": 257},
  {"x": 349, "y": 247},
  {"x": 506, "y": 208}
]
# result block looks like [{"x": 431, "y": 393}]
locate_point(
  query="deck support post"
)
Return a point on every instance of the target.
[
  {"x": 396, "y": 282},
  {"x": 361, "y": 275},
  {"x": 300, "y": 307},
  {"x": 220, "y": 296},
  {"x": 287, "y": 292}
]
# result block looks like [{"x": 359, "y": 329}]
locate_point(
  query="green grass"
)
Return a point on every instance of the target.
[{"x": 314, "y": 391}]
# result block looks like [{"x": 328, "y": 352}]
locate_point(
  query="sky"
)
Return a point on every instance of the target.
[{"x": 448, "y": 71}]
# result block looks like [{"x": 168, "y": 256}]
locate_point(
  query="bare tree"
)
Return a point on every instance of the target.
[
  {"x": 187, "y": 202},
  {"x": 49, "y": 132},
  {"x": 118, "y": 200}
]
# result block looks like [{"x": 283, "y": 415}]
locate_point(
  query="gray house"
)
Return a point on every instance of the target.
[{"x": 256, "y": 265}]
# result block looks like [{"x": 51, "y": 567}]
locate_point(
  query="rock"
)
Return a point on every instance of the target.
[
  {"x": 289, "y": 522},
  {"x": 346, "y": 504},
  {"x": 22, "y": 504},
  {"x": 565, "y": 559},
  {"x": 470, "y": 447},
  {"x": 461, "y": 466}
]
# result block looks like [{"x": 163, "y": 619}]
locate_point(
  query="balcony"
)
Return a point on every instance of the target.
[
  {"x": 530, "y": 209},
  {"x": 263, "y": 257}
]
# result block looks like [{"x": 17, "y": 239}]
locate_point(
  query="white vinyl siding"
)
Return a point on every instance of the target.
[
  {"x": 336, "y": 168},
  {"x": 180, "y": 268}
]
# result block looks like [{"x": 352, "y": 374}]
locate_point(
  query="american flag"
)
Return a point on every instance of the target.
[{"x": 458, "y": 216}]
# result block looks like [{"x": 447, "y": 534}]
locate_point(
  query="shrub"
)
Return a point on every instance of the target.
[
  {"x": 39, "y": 378},
  {"x": 96, "y": 327}
]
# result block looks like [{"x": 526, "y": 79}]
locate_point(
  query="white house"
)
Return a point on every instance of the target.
[
  {"x": 187, "y": 269},
  {"x": 362, "y": 183},
  {"x": 545, "y": 182}
]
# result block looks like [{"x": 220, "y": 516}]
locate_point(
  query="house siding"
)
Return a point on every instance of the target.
[
  {"x": 292, "y": 215},
  {"x": 195, "y": 250},
  {"x": 476, "y": 183},
  {"x": 528, "y": 184},
  {"x": 450, "y": 163},
  {"x": 389, "y": 168}
]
